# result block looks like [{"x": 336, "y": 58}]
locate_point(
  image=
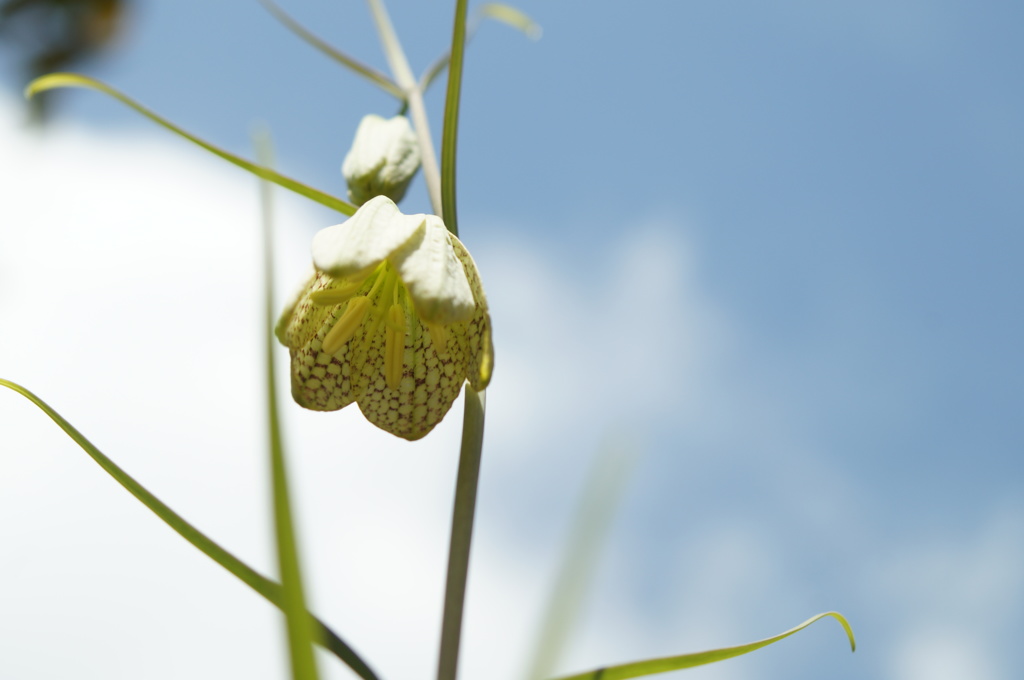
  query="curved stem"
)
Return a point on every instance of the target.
[{"x": 407, "y": 82}]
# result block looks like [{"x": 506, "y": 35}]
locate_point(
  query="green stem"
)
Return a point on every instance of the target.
[
  {"x": 462, "y": 533},
  {"x": 300, "y": 633},
  {"x": 407, "y": 82},
  {"x": 246, "y": 574}
]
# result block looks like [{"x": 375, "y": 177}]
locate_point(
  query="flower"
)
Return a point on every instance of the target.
[
  {"x": 393, "y": 318},
  {"x": 385, "y": 155}
]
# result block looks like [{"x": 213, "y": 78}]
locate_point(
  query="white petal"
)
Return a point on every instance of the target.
[
  {"x": 383, "y": 159},
  {"x": 434, "y": 275},
  {"x": 365, "y": 240}
]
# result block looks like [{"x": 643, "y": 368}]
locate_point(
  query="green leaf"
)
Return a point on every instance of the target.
[
  {"x": 511, "y": 16},
  {"x": 492, "y": 10},
  {"x": 300, "y": 632},
  {"x": 261, "y": 584},
  {"x": 609, "y": 473},
  {"x": 450, "y": 126},
  {"x": 675, "y": 663},
  {"x": 58, "y": 80},
  {"x": 368, "y": 72}
]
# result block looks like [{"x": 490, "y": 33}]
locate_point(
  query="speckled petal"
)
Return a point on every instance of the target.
[
  {"x": 292, "y": 322},
  {"x": 366, "y": 239},
  {"x": 434, "y": 276},
  {"x": 322, "y": 381},
  {"x": 429, "y": 385},
  {"x": 478, "y": 331}
]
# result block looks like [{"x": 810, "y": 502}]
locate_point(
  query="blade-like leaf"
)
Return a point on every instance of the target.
[
  {"x": 368, "y": 72},
  {"x": 261, "y": 584},
  {"x": 450, "y": 125},
  {"x": 609, "y": 473},
  {"x": 511, "y": 16},
  {"x": 492, "y": 10},
  {"x": 300, "y": 632},
  {"x": 58, "y": 80},
  {"x": 675, "y": 663}
]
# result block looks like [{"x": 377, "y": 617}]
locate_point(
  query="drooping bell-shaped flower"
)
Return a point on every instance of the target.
[
  {"x": 384, "y": 157},
  {"x": 393, "y": 318}
]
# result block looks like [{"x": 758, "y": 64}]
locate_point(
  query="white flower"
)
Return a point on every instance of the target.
[
  {"x": 384, "y": 157},
  {"x": 393, "y": 318}
]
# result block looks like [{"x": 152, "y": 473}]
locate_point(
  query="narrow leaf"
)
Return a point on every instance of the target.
[
  {"x": 450, "y": 126},
  {"x": 609, "y": 473},
  {"x": 675, "y": 663},
  {"x": 261, "y": 584},
  {"x": 368, "y": 72},
  {"x": 492, "y": 10},
  {"x": 58, "y": 80},
  {"x": 300, "y": 632},
  {"x": 511, "y": 16}
]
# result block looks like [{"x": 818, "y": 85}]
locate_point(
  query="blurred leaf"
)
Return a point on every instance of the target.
[
  {"x": 609, "y": 473},
  {"x": 511, "y": 16},
  {"x": 675, "y": 663},
  {"x": 300, "y": 630},
  {"x": 53, "y": 35},
  {"x": 59, "y": 80},
  {"x": 261, "y": 584}
]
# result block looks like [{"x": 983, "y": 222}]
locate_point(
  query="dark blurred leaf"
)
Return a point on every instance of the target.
[{"x": 55, "y": 35}]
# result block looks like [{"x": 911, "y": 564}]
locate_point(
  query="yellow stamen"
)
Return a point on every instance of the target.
[
  {"x": 438, "y": 338},
  {"x": 335, "y": 296},
  {"x": 394, "y": 346},
  {"x": 346, "y": 326}
]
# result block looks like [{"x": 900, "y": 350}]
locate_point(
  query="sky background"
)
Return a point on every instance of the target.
[{"x": 773, "y": 248}]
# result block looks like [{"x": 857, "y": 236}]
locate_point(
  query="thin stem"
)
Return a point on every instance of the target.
[
  {"x": 462, "y": 533},
  {"x": 359, "y": 67},
  {"x": 407, "y": 82},
  {"x": 300, "y": 633}
]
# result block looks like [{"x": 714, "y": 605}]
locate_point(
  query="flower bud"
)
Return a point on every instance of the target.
[{"x": 384, "y": 157}]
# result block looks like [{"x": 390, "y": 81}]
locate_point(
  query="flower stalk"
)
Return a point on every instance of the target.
[{"x": 406, "y": 81}]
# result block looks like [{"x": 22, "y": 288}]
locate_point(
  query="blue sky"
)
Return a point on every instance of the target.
[{"x": 777, "y": 245}]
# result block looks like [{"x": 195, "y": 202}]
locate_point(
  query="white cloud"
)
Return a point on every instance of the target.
[{"x": 957, "y": 599}]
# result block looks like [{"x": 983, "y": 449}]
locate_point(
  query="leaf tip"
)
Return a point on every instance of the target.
[
  {"x": 50, "y": 81},
  {"x": 846, "y": 627}
]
